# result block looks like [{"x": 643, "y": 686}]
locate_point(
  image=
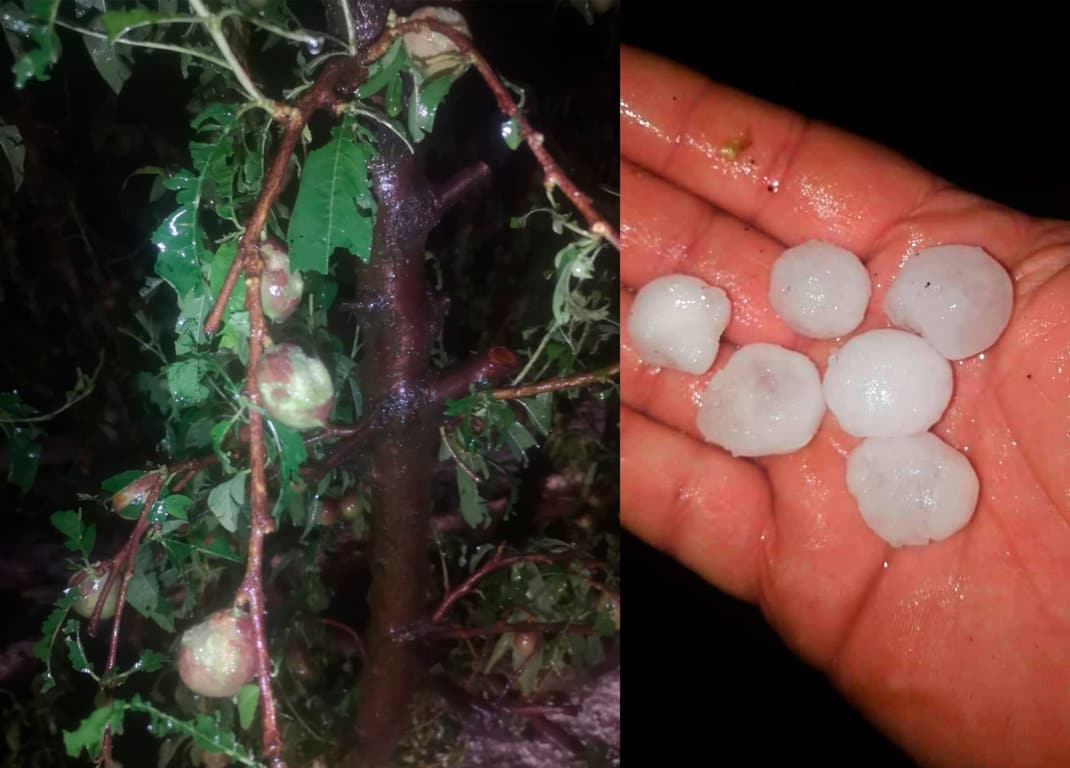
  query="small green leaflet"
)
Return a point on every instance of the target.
[
  {"x": 37, "y": 24},
  {"x": 384, "y": 70},
  {"x": 184, "y": 382},
  {"x": 220, "y": 265},
  {"x": 42, "y": 649},
  {"x": 108, "y": 59},
  {"x": 473, "y": 508},
  {"x": 226, "y": 500},
  {"x": 425, "y": 101},
  {"x": 117, "y": 22},
  {"x": 248, "y": 697},
  {"x": 143, "y": 592},
  {"x": 511, "y": 133},
  {"x": 79, "y": 537},
  {"x": 334, "y": 204},
  {"x": 25, "y": 455},
  {"x": 193, "y": 308},
  {"x": 90, "y": 732}
]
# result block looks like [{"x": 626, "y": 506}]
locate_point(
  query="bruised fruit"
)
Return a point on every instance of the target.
[
  {"x": 135, "y": 492},
  {"x": 325, "y": 511},
  {"x": 90, "y": 584},
  {"x": 430, "y": 51},
  {"x": 296, "y": 388},
  {"x": 280, "y": 289},
  {"x": 218, "y": 656}
]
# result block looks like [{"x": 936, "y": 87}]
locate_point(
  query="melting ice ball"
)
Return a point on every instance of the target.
[
  {"x": 676, "y": 321},
  {"x": 887, "y": 383},
  {"x": 956, "y": 296},
  {"x": 819, "y": 289},
  {"x": 912, "y": 489},
  {"x": 767, "y": 400}
]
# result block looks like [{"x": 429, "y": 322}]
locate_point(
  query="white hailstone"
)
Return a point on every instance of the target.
[
  {"x": 765, "y": 401},
  {"x": 676, "y": 321},
  {"x": 956, "y": 296},
  {"x": 912, "y": 489},
  {"x": 819, "y": 289},
  {"x": 887, "y": 383}
]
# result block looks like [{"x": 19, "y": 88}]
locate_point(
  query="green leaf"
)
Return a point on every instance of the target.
[
  {"x": 211, "y": 543},
  {"x": 220, "y": 266},
  {"x": 193, "y": 308},
  {"x": 178, "y": 238},
  {"x": 539, "y": 409},
  {"x": 143, "y": 592},
  {"x": 116, "y": 22},
  {"x": 226, "y": 500},
  {"x": 25, "y": 455},
  {"x": 519, "y": 439},
  {"x": 116, "y": 483},
  {"x": 235, "y": 335},
  {"x": 473, "y": 508},
  {"x": 35, "y": 63},
  {"x": 384, "y": 71},
  {"x": 69, "y": 523},
  {"x": 248, "y": 697},
  {"x": 219, "y": 431},
  {"x": 12, "y": 147},
  {"x": 42, "y": 649},
  {"x": 333, "y": 205},
  {"x": 90, "y": 732},
  {"x": 74, "y": 648},
  {"x": 425, "y": 101},
  {"x": 184, "y": 382},
  {"x": 106, "y": 58},
  {"x": 176, "y": 505}
]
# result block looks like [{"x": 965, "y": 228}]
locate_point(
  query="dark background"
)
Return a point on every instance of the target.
[{"x": 980, "y": 102}]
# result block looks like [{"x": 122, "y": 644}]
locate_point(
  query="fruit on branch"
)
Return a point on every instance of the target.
[
  {"x": 135, "y": 492},
  {"x": 429, "y": 51},
  {"x": 90, "y": 583},
  {"x": 296, "y": 388},
  {"x": 610, "y": 601},
  {"x": 280, "y": 289},
  {"x": 218, "y": 656},
  {"x": 325, "y": 511},
  {"x": 524, "y": 644},
  {"x": 350, "y": 506}
]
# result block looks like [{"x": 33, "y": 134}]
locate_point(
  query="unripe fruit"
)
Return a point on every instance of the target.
[
  {"x": 610, "y": 601},
  {"x": 296, "y": 388},
  {"x": 350, "y": 506},
  {"x": 429, "y": 51},
  {"x": 325, "y": 511},
  {"x": 90, "y": 584},
  {"x": 524, "y": 644},
  {"x": 218, "y": 656},
  {"x": 280, "y": 289}
]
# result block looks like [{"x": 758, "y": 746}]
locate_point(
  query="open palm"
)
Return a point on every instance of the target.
[{"x": 959, "y": 650}]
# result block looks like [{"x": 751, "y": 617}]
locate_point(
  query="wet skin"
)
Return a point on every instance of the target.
[{"x": 959, "y": 650}]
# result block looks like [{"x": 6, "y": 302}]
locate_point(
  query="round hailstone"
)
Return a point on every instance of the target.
[
  {"x": 887, "y": 383},
  {"x": 956, "y": 296},
  {"x": 913, "y": 489},
  {"x": 676, "y": 321},
  {"x": 765, "y": 401},
  {"x": 819, "y": 289}
]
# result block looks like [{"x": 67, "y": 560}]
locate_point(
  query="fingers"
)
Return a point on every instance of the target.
[
  {"x": 697, "y": 504},
  {"x": 761, "y": 163},
  {"x": 666, "y": 230}
]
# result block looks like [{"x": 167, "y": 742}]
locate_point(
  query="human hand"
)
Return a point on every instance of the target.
[{"x": 959, "y": 650}]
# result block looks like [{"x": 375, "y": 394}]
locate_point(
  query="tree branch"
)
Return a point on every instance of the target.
[
  {"x": 553, "y": 174},
  {"x": 554, "y": 385}
]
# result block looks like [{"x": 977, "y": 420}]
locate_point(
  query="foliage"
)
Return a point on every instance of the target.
[{"x": 194, "y": 549}]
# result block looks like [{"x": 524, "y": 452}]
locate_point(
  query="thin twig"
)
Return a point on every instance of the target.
[
  {"x": 552, "y": 172},
  {"x": 495, "y": 564},
  {"x": 554, "y": 385},
  {"x": 342, "y": 627},
  {"x": 214, "y": 25},
  {"x": 144, "y": 44},
  {"x": 504, "y": 627}
]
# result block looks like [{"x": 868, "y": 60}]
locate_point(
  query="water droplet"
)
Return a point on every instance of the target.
[
  {"x": 314, "y": 45},
  {"x": 885, "y": 563}
]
